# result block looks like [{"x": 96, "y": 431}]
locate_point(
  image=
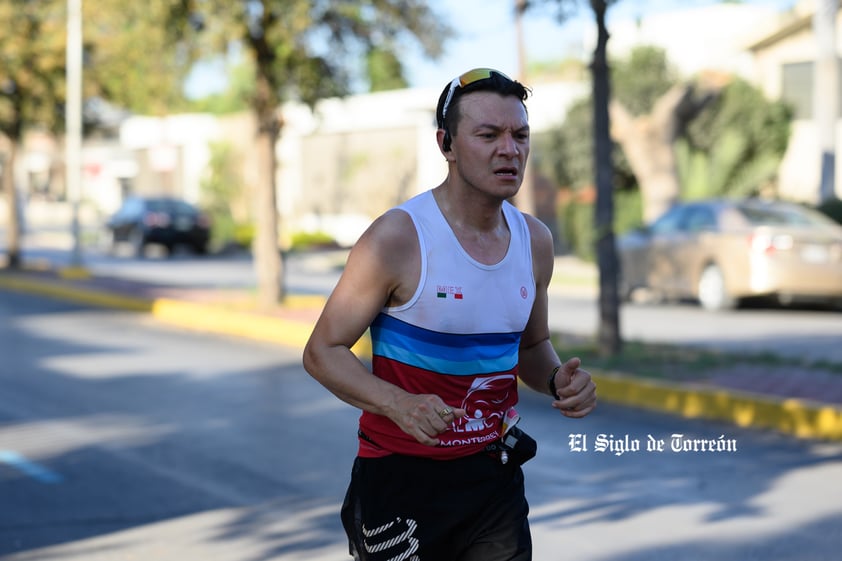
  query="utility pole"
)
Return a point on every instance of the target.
[{"x": 73, "y": 127}]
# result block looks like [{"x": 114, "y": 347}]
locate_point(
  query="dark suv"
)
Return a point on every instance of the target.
[{"x": 166, "y": 221}]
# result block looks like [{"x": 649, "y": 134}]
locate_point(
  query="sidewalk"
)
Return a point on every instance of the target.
[{"x": 757, "y": 398}]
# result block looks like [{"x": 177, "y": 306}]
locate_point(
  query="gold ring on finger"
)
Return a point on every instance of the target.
[{"x": 445, "y": 412}]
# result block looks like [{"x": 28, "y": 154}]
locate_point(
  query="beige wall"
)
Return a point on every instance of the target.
[
  {"x": 365, "y": 172},
  {"x": 800, "y": 170}
]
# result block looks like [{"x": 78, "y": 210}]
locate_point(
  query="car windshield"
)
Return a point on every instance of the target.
[
  {"x": 159, "y": 205},
  {"x": 783, "y": 216},
  {"x": 172, "y": 206}
]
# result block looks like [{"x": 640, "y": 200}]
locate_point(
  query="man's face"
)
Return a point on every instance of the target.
[{"x": 492, "y": 142}]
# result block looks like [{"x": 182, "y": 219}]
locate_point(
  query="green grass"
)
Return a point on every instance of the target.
[
  {"x": 573, "y": 280},
  {"x": 671, "y": 362}
]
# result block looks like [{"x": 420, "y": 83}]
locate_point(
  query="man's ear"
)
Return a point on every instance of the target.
[{"x": 443, "y": 138}]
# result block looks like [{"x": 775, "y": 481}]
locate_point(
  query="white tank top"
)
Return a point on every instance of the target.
[{"x": 458, "y": 336}]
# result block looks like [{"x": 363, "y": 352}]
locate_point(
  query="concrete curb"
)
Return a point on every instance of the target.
[
  {"x": 800, "y": 418},
  {"x": 228, "y": 322},
  {"x": 23, "y": 283},
  {"x": 190, "y": 315}
]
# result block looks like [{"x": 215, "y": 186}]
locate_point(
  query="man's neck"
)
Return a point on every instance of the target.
[{"x": 477, "y": 222}]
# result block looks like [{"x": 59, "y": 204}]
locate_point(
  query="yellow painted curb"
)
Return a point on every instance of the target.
[
  {"x": 191, "y": 315},
  {"x": 242, "y": 324},
  {"x": 74, "y": 273},
  {"x": 304, "y": 301},
  {"x": 792, "y": 416},
  {"x": 86, "y": 296},
  {"x": 199, "y": 317}
]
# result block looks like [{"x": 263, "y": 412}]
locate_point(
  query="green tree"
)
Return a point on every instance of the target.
[
  {"x": 128, "y": 61},
  {"x": 235, "y": 98},
  {"x": 608, "y": 331},
  {"x": 642, "y": 78},
  {"x": 732, "y": 146},
  {"x": 572, "y": 144},
  {"x": 639, "y": 80},
  {"x": 648, "y": 138},
  {"x": 384, "y": 70},
  {"x": 31, "y": 88},
  {"x": 220, "y": 188},
  {"x": 735, "y": 145},
  {"x": 134, "y": 57},
  {"x": 301, "y": 50}
]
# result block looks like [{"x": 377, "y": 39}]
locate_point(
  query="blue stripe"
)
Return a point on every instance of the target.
[
  {"x": 445, "y": 366},
  {"x": 403, "y": 329},
  {"x": 444, "y": 353},
  {"x": 32, "y": 469}
]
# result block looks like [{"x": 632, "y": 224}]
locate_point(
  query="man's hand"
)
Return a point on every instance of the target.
[
  {"x": 576, "y": 392},
  {"x": 424, "y": 416}
]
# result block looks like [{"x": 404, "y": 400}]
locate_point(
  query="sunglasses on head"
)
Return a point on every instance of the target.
[{"x": 466, "y": 79}]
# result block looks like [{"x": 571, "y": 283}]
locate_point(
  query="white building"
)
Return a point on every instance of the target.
[{"x": 352, "y": 158}]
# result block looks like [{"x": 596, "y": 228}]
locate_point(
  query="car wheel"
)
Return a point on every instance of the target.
[
  {"x": 110, "y": 242},
  {"x": 137, "y": 243},
  {"x": 712, "y": 293}
]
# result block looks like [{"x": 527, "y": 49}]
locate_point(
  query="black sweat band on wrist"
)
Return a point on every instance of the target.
[{"x": 551, "y": 382}]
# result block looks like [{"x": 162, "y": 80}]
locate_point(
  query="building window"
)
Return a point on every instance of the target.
[{"x": 797, "y": 88}]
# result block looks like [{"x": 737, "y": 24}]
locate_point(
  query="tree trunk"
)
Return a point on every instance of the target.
[
  {"x": 525, "y": 198},
  {"x": 648, "y": 142},
  {"x": 648, "y": 147},
  {"x": 608, "y": 335},
  {"x": 826, "y": 93},
  {"x": 14, "y": 209},
  {"x": 267, "y": 255}
]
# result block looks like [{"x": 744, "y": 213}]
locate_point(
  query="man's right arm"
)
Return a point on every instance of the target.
[{"x": 382, "y": 269}]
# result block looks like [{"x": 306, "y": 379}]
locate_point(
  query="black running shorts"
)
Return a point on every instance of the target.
[{"x": 403, "y": 508}]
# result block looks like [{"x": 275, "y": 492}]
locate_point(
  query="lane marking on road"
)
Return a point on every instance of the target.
[{"x": 28, "y": 467}]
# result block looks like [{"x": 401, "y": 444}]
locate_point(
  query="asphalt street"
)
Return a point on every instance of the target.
[
  {"x": 805, "y": 333},
  {"x": 124, "y": 439}
]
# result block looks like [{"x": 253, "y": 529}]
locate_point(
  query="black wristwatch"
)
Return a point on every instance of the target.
[{"x": 551, "y": 382}]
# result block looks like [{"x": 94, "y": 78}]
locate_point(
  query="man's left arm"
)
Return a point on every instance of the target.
[{"x": 539, "y": 365}]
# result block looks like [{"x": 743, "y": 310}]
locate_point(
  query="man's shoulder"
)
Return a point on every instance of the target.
[
  {"x": 395, "y": 222},
  {"x": 541, "y": 240},
  {"x": 398, "y": 223},
  {"x": 391, "y": 234},
  {"x": 538, "y": 231}
]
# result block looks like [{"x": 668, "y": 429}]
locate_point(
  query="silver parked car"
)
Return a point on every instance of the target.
[{"x": 721, "y": 251}]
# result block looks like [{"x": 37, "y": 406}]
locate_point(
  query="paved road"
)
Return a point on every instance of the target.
[
  {"x": 122, "y": 439},
  {"x": 811, "y": 334},
  {"x": 803, "y": 333}
]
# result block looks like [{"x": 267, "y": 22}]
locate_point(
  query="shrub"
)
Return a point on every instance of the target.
[
  {"x": 578, "y": 221},
  {"x": 311, "y": 240},
  {"x": 832, "y": 208}
]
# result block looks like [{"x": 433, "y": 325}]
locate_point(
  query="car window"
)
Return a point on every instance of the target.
[
  {"x": 670, "y": 222},
  {"x": 157, "y": 205},
  {"x": 131, "y": 207},
  {"x": 182, "y": 207},
  {"x": 699, "y": 219},
  {"x": 782, "y": 216}
]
